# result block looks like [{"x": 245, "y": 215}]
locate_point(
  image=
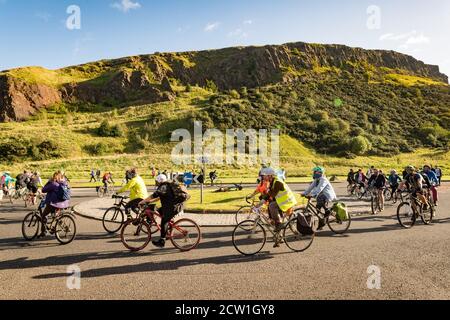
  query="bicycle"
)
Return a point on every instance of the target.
[
  {"x": 250, "y": 236},
  {"x": 136, "y": 234},
  {"x": 61, "y": 223},
  {"x": 351, "y": 188},
  {"x": 409, "y": 211},
  {"x": 15, "y": 194},
  {"x": 114, "y": 217},
  {"x": 248, "y": 212},
  {"x": 102, "y": 191},
  {"x": 335, "y": 224},
  {"x": 375, "y": 201}
]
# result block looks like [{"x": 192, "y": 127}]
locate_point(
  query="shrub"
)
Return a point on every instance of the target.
[
  {"x": 107, "y": 130},
  {"x": 359, "y": 145}
]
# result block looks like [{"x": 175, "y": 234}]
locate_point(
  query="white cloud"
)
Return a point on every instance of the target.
[
  {"x": 212, "y": 26},
  {"x": 126, "y": 5},
  {"x": 248, "y": 22},
  {"x": 408, "y": 39}
]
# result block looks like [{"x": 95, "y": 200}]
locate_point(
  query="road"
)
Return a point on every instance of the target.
[{"x": 413, "y": 264}]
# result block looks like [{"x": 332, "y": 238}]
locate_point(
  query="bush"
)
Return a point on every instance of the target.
[
  {"x": 106, "y": 130},
  {"x": 234, "y": 94},
  {"x": 359, "y": 145},
  {"x": 98, "y": 149}
]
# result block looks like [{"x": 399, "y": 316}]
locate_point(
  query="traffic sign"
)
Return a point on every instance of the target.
[{"x": 188, "y": 178}]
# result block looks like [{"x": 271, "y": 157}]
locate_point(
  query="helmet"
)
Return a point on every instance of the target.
[
  {"x": 410, "y": 168},
  {"x": 161, "y": 178},
  {"x": 319, "y": 169},
  {"x": 393, "y": 171},
  {"x": 268, "y": 172}
]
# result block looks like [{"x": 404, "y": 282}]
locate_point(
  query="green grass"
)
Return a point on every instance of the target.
[{"x": 409, "y": 80}]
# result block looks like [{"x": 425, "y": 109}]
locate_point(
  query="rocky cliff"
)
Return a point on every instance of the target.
[{"x": 147, "y": 78}]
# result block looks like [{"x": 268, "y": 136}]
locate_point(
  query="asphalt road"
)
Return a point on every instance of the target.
[{"x": 413, "y": 264}]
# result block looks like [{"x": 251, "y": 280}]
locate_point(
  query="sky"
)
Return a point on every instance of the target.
[{"x": 50, "y": 33}]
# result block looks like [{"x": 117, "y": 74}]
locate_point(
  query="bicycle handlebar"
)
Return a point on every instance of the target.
[{"x": 116, "y": 196}]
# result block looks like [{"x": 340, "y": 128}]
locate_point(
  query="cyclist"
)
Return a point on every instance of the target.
[
  {"x": 438, "y": 174},
  {"x": 137, "y": 188},
  {"x": 52, "y": 200},
  {"x": 378, "y": 181},
  {"x": 351, "y": 177},
  {"x": 433, "y": 182},
  {"x": 281, "y": 198},
  {"x": 170, "y": 207},
  {"x": 394, "y": 180},
  {"x": 414, "y": 182},
  {"x": 33, "y": 185},
  {"x": 213, "y": 176},
  {"x": 322, "y": 190},
  {"x": 7, "y": 182},
  {"x": 22, "y": 180},
  {"x": 262, "y": 189},
  {"x": 107, "y": 178},
  {"x": 370, "y": 172}
]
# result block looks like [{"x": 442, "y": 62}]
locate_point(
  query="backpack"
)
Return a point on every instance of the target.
[
  {"x": 63, "y": 193},
  {"x": 307, "y": 225},
  {"x": 180, "y": 192}
]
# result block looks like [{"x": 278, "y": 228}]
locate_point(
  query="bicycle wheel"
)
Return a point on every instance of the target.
[
  {"x": 375, "y": 205},
  {"x": 135, "y": 235},
  {"x": 350, "y": 190},
  {"x": 65, "y": 229},
  {"x": 249, "y": 237},
  {"x": 294, "y": 239},
  {"x": 113, "y": 220},
  {"x": 427, "y": 215},
  {"x": 387, "y": 194},
  {"x": 30, "y": 226},
  {"x": 218, "y": 183},
  {"x": 185, "y": 235},
  {"x": 244, "y": 213},
  {"x": 406, "y": 215},
  {"x": 337, "y": 225},
  {"x": 101, "y": 192}
]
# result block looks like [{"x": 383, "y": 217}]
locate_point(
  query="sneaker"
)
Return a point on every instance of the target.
[{"x": 161, "y": 243}]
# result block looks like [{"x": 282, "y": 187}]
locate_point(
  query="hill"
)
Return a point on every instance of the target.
[{"x": 332, "y": 99}]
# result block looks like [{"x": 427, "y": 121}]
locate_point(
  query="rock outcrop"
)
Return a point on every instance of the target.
[{"x": 147, "y": 78}]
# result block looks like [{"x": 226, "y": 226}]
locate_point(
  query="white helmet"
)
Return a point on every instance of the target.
[
  {"x": 268, "y": 172},
  {"x": 161, "y": 178}
]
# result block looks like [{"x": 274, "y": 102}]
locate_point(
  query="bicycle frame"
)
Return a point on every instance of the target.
[{"x": 151, "y": 214}]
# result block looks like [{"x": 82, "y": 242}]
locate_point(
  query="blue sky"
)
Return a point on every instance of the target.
[{"x": 34, "y": 32}]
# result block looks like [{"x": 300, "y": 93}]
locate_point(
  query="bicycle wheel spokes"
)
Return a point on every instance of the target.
[
  {"x": 406, "y": 215},
  {"x": 135, "y": 235},
  {"x": 245, "y": 213},
  {"x": 427, "y": 215},
  {"x": 337, "y": 225},
  {"x": 294, "y": 239},
  {"x": 113, "y": 220},
  {"x": 185, "y": 235},
  {"x": 30, "y": 226},
  {"x": 65, "y": 229},
  {"x": 249, "y": 237}
]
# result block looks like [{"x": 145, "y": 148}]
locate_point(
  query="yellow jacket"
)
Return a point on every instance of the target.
[{"x": 137, "y": 187}]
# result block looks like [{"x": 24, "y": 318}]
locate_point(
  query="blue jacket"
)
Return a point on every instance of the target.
[{"x": 432, "y": 176}]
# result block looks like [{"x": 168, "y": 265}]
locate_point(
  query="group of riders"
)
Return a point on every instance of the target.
[
  {"x": 272, "y": 189},
  {"x": 412, "y": 179}
]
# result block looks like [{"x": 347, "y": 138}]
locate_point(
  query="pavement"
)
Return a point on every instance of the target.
[{"x": 409, "y": 264}]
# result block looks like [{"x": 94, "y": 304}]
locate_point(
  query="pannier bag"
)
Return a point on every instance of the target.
[
  {"x": 307, "y": 224},
  {"x": 341, "y": 211}
]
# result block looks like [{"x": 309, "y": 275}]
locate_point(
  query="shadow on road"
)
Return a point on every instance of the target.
[{"x": 160, "y": 266}]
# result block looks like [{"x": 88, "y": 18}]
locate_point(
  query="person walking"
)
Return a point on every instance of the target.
[
  {"x": 93, "y": 176},
  {"x": 439, "y": 174}
]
